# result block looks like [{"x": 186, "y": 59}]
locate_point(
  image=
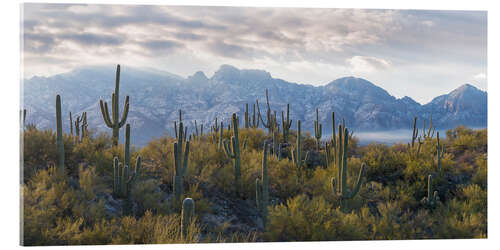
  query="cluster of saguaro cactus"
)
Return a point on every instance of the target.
[
  {"x": 439, "y": 152},
  {"x": 123, "y": 177},
  {"x": 197, "y": 133},
  {"x": 415, "y": 150},
  {"x": 112, "y": 121},
  {"x": 262, "y": 188},
  {"x": 430, "y": 132},
  {"x": 181, "y": 156},
  {"x": 60, "y": 143},
  {"x": 83, "y": 127},
  {"x": 187, "y": 215},
  {"x": 253, "y": 121},
  {"x": 217, "y": 134},
  {"x": 432, "y": 197},
  {"x": 277, "y": 146},
  {"x": 318, "y": 128},
  {"x": 339, "y": 183},
  {"x": 271, "y": 123},
  {"x": 232, "y": 151}
]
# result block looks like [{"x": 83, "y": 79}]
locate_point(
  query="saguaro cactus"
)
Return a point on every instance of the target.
[
  {"x": 181, "y": 156},
  {"x": 318, "y": 131},
  {"x": 255, "y": 120},
  {"x": 232, "y": 151},
  {"x": 439, "y": 152},
  {"x": 262, "y": 189},
  {"x": 60, "y": 143},
  {"x": 297, "y": 150},
  {"x": 70, "y": 124},
  {"x": 329, "y": 154},
  {"x": 286, "y": 124},
  {"x": 187, "y": 215},
  {"x": 339, "y": 187},
  {"x": 112, "y": 122},
  {"x": 432, "y": 197},
  {"x": 271, "y": 120},
  {"x": 123, "y": 177}
]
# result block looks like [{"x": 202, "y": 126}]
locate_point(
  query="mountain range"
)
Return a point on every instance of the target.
[{"x": 156, "y": 96}]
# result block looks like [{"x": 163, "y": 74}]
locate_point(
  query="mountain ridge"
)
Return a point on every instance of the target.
[{"x": 155, "y": 98}]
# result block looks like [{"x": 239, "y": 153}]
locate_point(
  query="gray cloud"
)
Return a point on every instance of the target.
[{"x": 321, "y": 44}]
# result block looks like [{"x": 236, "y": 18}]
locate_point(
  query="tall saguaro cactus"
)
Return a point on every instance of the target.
[
  {"x": 187, "y": 215},
  {"x": 113, "y": 121},
  {"x": 318, "y": 131},
  {"x": 271, "y": 123},
  {"x": 339, "y": 183},
  {"x": 60, "y": 143},
  {"x": 232, "y": 151},
  {"x": 123, "y": 177},
  {"x": 329, "y": 154},
  {"x": 297, "y": 150},
  {"x": 181, "y": 155},
  {"x": 262, "y": 188},
  {"x": 286, "y": 124}
]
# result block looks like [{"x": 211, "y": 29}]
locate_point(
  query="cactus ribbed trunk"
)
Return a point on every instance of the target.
[
  {"x": 60, "y": 143},
  {"x": 232, "y": 150},
  {"x": 262, "y": 188}
]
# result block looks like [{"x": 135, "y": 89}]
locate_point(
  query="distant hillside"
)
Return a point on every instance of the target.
[{"x": 156, "y": 96}]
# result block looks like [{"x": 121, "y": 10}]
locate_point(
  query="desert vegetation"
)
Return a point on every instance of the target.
[{"x": 263, "y": 181}]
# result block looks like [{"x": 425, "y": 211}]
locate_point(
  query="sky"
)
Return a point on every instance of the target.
[{"x": 415, "y": 53}]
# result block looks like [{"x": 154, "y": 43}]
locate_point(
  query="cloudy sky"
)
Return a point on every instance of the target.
[{"x": 420, "y": 54}]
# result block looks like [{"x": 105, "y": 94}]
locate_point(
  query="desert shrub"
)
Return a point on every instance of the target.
[
  {"x": 304, "y": 219},
  {"x": 481, "y": 177},
  {"x": 154, "y": 229},
  {"x": 384, "y": 165}
]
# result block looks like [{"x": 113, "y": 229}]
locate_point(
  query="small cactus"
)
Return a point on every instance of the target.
[
  {"x": 112, "y": 121},
  {"x": 317, "y": 131},
  {"x": 60, "y": 143},
  {"x": 187, "y": 215},
  {"x": 432, "y": 197}
]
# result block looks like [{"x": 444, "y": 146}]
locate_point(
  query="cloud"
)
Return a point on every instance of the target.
[
  {"x": 163, "y": 46},
  {"x": 480, "y": 76},
  {"x": 302, "y": 44},
  {"x": 368, "y": 64}
]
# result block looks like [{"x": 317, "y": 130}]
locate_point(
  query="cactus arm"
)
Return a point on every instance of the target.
[
  {"x": 358, "y": 182},
  {"x": 227, "y": 150},
  {"x": 105, "y": 113},
  {"x": 125, "y": 112}
]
